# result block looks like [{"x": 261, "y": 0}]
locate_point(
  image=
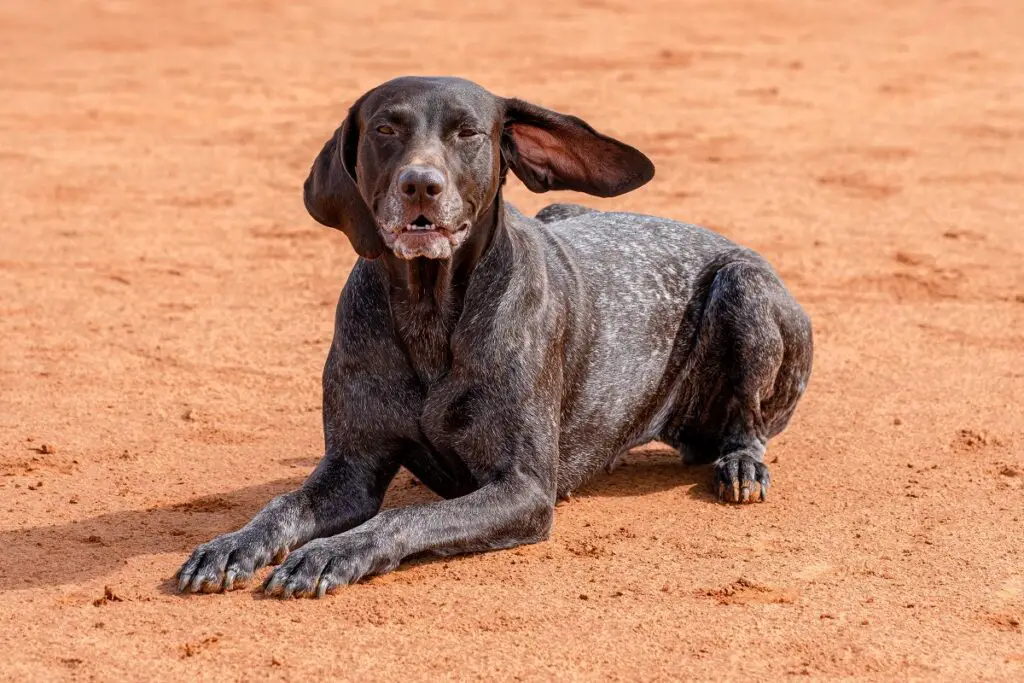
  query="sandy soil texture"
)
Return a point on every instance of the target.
[{"x": 166, "y": 307}]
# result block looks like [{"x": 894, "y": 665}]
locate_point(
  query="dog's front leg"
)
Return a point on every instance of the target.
[
  {"x": 514, "y": 509},
  {"x": 343, "y": 491}
]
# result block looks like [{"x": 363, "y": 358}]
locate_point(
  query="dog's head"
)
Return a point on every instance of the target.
[{"x": 419, "y": 160}]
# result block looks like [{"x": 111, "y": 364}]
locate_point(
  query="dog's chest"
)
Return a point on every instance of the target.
[
  {"x": 430, "y": 360},
  {"x": 426, "y": 342},
  {"x": 447, "y": 463}
]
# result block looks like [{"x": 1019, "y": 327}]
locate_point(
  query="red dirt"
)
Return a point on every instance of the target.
[{"x": 167, "y": 305}]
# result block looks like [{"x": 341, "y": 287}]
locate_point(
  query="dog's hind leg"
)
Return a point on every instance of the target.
[{"x": 752, "y": 360}]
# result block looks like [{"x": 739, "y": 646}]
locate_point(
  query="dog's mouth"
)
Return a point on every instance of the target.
[
  {"x": 423, "y": 237},
  {"x": 422, "y": 224}
]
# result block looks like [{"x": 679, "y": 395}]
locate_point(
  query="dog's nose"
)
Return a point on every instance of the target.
[{"x": 421, "y": 182}]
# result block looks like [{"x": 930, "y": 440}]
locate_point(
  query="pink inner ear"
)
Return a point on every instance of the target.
[{"x": 543, "y": 149}]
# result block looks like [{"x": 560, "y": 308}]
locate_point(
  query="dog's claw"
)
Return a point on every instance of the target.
[
  {"x": 324, "y": 586},
  {"x": 184, "y": 575},
  {"x": 234, "y": 579},
  {"x": 741, "y": 478},
  {"x": 195, "y": 586},
  {"x": 273, "y": 583}
]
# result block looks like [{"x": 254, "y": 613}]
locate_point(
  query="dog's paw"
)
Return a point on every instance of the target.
[
  {"x": 227, "y": 562},
  {"x": 323, "y": 565},
  {"x": 740, "y": 478}
]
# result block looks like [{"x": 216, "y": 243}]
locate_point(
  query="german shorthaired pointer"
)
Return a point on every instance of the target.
[{"x": 504, "y": 359}]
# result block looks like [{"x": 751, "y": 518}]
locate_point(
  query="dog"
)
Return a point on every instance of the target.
[{"x": 504, "y": 359}]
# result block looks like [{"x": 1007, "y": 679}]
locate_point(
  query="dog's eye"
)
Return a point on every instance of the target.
[
  {"x": 468, "y": 133},
  {"x": 385, "y": 130}
]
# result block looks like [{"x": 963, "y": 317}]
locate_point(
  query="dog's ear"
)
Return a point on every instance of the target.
[
  {"x": 331, "y": 195},
  {"x": 552, "y": 151}
]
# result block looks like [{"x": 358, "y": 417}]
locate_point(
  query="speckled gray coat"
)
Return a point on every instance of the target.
[{"x": 505, "y": 359}]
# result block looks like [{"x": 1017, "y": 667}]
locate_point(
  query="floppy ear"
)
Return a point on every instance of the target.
[
  {"x": 331, "y": 195},
  {"x": 552, "y": 151}
]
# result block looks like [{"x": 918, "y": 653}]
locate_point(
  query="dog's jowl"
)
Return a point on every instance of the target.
[{"x": 505, "y": 359}]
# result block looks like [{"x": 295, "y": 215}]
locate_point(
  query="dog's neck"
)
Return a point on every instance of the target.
[{"x": 427, "y": 295}]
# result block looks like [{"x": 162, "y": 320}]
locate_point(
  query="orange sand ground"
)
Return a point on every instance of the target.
[{"x": 167, "y": 306}]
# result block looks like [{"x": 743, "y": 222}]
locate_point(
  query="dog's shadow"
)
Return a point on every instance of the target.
[
  {"x": 649, "y": 470},
  {"x": 60, "y": 554}
]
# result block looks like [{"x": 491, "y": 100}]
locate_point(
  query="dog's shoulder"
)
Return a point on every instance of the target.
[{"x": 364, "y": 298}]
